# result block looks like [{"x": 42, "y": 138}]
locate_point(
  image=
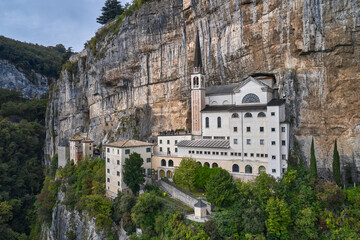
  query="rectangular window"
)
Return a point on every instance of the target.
[
  {"x": 251, "y": 155},
  {"x": 160, "y": 149},
  {"x": 221, "y": 153},
  {"x": 248, "y": 141},
  {"x": 239, "y": 154},
  {"x": 261, "y": 129},
  {"x": 272, "y": 113},
  {"x": 118, "y": 183},
  {"x": 127, "y": 151},
  {"x": 175, "y": 149},
  {"x": 248, "y": 129},
  {"x": 258, "y": 155},
  {"x": 118, "y": 151},
  {"x": 197, "y": 152},
  {"x": 245, "y": 154},
  {"x": 273, "y": 143},
  {"x": 118, "y": 173},
  {"x": 108, "y": 179},
  {"x": 108, "y": 150},
  {"x": 274, "y": 170},
  {"x": 168, "y": 141},
  {"x": 283, "y": 157},
  {"x": 192, "y": 152},
  {"x": 273, "y": 157},
  {"x": 283, "y": 142},
  {"x": 266, "y": 155},
  {"x": 262, "y": 155},
  {"x": 89, "y": 148},
  {"x": 283, "y": 129},
  {"x": 108, "y": 160},
  {"x": 207, "y": 137},
  {"x": 262, "y": 141},
  {"x": 219, "y": 137},
  {"x": 160, "y": 141},
  {"x": 175, "y": 141},
  {"x": 235, "y": 129},
  {"x": 148, "y": 160},
  {"x": 189, "y": 152},
  {"x": 200, "y": 152},
  {"x": 273, "y": 129},
  {"x": 214, "y": 153},
  {"x": 148, "y": 149},
  {"x": 108, "y": 170},
  {"x": 118, "y": 162},
  {"x": 235, "y": 141},
  {"x": 284, "y": 170},
  {"x": 232, "y": 154},
  {"x": 225, "y": 153},
  {"x": 168, "y": 150}
]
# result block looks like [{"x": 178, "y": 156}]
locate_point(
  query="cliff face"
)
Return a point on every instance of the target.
[
  {"x": 137, "y": 83},
  {"x": 11, "y": 78}
]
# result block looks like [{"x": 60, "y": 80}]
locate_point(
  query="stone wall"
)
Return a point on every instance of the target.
[{"x": 179, "y": 195}]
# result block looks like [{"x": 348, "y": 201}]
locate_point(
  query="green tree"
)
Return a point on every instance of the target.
[
  {"x": 185, "y": 175},
  {"x": 144, "y": 212},
  {"x": 313, "y": 168},
  {"x": 134, "y": 172},
  {"x": 336, "y": 165},
  {"x": 111, "y": 9},
  {"x": 278, "y": 219},
  {"x": 220, "y": 189},
  {"x": 305, "y": 225}
]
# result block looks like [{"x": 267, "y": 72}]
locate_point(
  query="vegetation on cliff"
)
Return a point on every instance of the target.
[
  {"x": 29, "y": 57},
  {"x": 21, "y": 153}
]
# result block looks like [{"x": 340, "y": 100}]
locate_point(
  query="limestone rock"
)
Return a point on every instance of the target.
[{"x": 138, "y": 82}]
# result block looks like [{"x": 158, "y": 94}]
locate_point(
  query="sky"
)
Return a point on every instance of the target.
[{"x": 50, "y": 22}]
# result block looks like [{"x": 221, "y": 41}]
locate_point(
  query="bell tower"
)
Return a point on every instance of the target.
[{"x": 197, "y": 90}]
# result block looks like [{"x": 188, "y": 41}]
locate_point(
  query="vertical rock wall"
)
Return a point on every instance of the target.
[{"x": 137, "y": 82}]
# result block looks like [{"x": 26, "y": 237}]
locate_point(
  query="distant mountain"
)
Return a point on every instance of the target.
[{"x": 30, "y": 68}]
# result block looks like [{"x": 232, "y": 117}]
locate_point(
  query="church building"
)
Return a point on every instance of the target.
[{"x": 240, "y": 127}]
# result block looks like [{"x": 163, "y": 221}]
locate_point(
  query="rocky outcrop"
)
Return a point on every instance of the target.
[
  {"x": 11, "y": 78},
  {"x": 71, "y": 224},
  {"x": 136, "y": 82}
]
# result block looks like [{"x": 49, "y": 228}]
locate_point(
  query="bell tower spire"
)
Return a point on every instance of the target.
[{"x": 197, "y": 90}]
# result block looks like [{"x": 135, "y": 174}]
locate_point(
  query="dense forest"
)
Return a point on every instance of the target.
[
  {"x": 294, "y": 207},
  {"x": 21, "y": 153},
  {"x": 29, "y": 57}
]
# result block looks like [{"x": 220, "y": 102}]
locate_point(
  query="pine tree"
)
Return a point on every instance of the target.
[
  {"x": 111, "y": 9},
  {"x": 336, "y": 165},
  {"x": 313, "y": 168}
]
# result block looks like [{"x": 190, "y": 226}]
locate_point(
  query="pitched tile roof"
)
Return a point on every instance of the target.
[
  {"x": 129, "y": 143},
  {"x": 205, "y": 143}
]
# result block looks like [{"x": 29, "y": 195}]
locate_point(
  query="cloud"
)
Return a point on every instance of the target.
[{"x": 49, "y": 22}]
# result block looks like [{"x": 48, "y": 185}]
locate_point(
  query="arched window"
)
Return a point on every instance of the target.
[
  {"x": 262, "y": 169},
  {"x": 261, "y": 114},
  {"x": 214, "y": 165},
  {"x": 162, "y": 173},
  {"x": 207, "y": 122},
  {"x": 248, "y": 115},
  {"x": 206, "y": 164},
  {"x": 235, "y": 115},
  {"x": 199, "y": 163},
  {"x": 163, "y": 163},
  {"x": 248, "y": 169},
  {"x": 235, "y": 168},
  {"x": 196, "y": 82},
  {"x": 169, "y": 174},
  {"x": 219, "y": 122},
  {"x": 250, "y": 98},
  {"x": 171, "y": 163}
]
